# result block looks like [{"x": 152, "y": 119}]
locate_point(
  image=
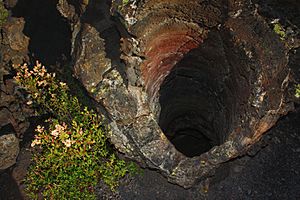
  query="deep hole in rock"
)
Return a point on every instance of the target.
[
  {"x": 49, "y": 32},
  {"x": 186, "y": 109},
  {"x": 197, "y": 97}
]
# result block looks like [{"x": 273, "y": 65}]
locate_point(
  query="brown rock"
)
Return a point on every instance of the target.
[{"x": 14, "y": 35}]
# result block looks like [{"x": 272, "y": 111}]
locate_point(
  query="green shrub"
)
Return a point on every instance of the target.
[
  {"x": 73, "y": 153},
  {"x": 3, "y": 14}
]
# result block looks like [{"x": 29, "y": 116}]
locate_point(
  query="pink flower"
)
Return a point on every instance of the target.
[
  {"x": 68, "y": 142},
  {"x": 60, "y": 128},
  {"x": 35, "y": 69},
  {"x": 35, "y": 142},
  {"x": 43, "y": 82},
  {"x": 41, "y": 74},
  {"x": 24, "y": 66},
  {"x": 39, "y": 129},
  {"x": 26, "y": 73},
  {"x": 55, "y": 133}
]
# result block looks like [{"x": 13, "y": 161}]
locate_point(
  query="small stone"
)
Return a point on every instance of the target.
[{"x": 9, "y": 150}]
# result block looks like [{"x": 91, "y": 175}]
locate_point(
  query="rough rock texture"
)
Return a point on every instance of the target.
[
  {"x": 210, "y": 76},
  {"x": 14, "y": 50},
  {"x": 13, "y": 108},
  {"x": 14, "y": 46},
  {"x": 9, "y": 150}
]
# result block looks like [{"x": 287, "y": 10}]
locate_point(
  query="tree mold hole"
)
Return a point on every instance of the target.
[{"x": 186, "y": 114}]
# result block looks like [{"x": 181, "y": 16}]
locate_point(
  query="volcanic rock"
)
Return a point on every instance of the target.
[{"x": 202, "y": 81}]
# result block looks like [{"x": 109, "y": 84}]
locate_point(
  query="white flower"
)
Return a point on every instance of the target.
[
  {"x": 35, "y": 95},
  {"x": 62, "y": 84}
]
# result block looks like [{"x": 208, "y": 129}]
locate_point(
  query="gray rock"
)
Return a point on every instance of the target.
[{"x": 9, "y": 150}]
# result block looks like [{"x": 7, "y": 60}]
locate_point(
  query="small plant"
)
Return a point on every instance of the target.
[
  {"x": 279, "y": 30},
  {"x": 297, "y": 92},
  {"x": 3, "y": 14},
  {"x": 72, "y": 153}
]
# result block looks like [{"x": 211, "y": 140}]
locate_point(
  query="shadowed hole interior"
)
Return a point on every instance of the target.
[
  {"x": 186, "y": 115},
  {"x": 198, "y": 98}
]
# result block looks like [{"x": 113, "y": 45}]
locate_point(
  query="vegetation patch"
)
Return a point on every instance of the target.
[
  {"x": 297, "y": 92},
  {"x": 72, "y": 153},
  {"x": 279, "y": 30}
]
